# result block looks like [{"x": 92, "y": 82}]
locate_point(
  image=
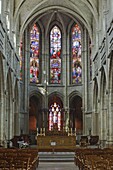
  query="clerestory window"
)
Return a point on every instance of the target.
[
  {"x": 76, "y": 54},
  {"x": 55, "y": 55},
  {"x": 34, "y": 54}
]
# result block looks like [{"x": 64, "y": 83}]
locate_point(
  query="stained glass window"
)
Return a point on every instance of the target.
[
  {"x": 76, "y": 55},
  {"x": 55, "y": 116},
  {"x": 55, "y": 55},
  {"x": 34, "y": 54}
]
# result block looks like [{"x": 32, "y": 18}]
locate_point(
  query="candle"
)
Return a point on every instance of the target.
[
  {"x": 41, "y": 130},
  {"x": 44, "y": 130},
  {"x": 71, "y": 130},
  {"x": 75, "y": 131},
  {"x": 37, "y": 131}
]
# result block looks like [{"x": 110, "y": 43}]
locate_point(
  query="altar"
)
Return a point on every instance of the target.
[{"x": 56, "y": 140}]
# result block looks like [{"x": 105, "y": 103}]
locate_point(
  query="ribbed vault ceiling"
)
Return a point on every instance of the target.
[{"x": 85, "y": 11}]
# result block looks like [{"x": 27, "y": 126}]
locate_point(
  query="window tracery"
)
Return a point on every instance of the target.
[
  {"x": 55, "y": 55},
  {"x": 55, "y": 116},
  {"x": 76, "y": 54},
  {"x": 34, "y": 54}
]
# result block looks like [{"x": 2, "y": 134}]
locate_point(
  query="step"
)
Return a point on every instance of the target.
[{"x": 56, "y": 157}]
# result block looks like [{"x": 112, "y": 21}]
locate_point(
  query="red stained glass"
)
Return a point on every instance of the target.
[
  {"x": 76, "y": 55},
  {"x": 34, "y": 54},
  {"x": 55, "y": 56}
]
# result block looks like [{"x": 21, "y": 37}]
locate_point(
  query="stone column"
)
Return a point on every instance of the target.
[
  {"x": 2, "y": 118},
  {"x": 95, "y": 123},
  {"x": 110, "y": 120},
  {"x": 65, "y": 78},
  {"x": 24, "y": 95},
  {"x": 103, "y": 127},
  {"x": 85, "y": 77}
]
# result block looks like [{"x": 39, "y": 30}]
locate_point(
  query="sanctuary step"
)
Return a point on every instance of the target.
[{"x": 56, "y": 156}]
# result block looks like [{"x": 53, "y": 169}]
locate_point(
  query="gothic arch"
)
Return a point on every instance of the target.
[
  {"x": 38, "y": 95},
  {"x": 58, "y": 8},
  {"x": 55, "y": 96},
  {"x": 70, "y": 14},
  {"x": 75, "y": 112},
  {"x": 73, "y": 94},
  {"x": 52, "y": 23},
  {"x": 103, "y": 107},
  {"x": 95, "y": 96},
  {"x": 110, "y": 83},
  {"x": 95, "y": 115},
  {"x": 56, "y": 112},
  {"x": 36, "y": 103},
  {"x": 103, "y": 87}
]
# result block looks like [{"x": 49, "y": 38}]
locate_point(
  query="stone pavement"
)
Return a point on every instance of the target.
[{"x": 57, "y": 166}]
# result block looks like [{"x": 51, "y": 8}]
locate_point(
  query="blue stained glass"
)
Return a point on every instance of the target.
[
  {"x": 55, "y": 56},
  {"x": 34, "y": 54},
  {"x": 76, "y": 55}
]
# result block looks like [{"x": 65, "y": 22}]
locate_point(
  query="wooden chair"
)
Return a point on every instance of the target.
[
  {"x": 110, "y": 163},
  {"x": 101, "y": 165},
  {"x": 21, "y": 163},
  {"x": 2, "y": 163},
  {"x": 84, "y": 141},
  {"x": 94, "y": 140}
]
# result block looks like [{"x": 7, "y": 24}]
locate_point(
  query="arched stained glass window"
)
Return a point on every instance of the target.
[
  {"x": 55, "y": 116},
  {"x": 34, "y": 54},
  {"x": 76, "y": 54},
  {"x": 55, "y": 55}
]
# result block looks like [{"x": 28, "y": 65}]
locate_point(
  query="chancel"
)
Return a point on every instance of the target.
[
  {"x": 56, "y": 139},
  {"x": 56, "y": 79}
]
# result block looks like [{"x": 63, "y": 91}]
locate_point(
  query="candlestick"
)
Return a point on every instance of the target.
[
  {"x": 75, "y": 131},
  {"x": 40, "y": 130},
  {"x": 37, "y": 131},
  {"x": 71, "y": 131},
  {"x": 44, "y": 131}
]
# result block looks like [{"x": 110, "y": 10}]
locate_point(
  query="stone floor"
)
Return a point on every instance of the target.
[
  {"x": 57, "y": 166},
  {"x": 56, "y": 161},
  {"x": 56, "y": 156}
]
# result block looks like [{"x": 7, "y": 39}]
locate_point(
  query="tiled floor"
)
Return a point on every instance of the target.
[{"x": 57, "y": 166}]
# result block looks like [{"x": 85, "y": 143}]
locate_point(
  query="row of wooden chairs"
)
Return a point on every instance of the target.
[
  {"x": 19, "y": 159},
  {"x": 94, "y": 159}
]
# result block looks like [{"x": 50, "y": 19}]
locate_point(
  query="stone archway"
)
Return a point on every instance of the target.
[
  {"x": 35, "y": 116},
  {"x": 75, "y": 113},
  {"x": 56, "y": 113},
  {"x": 103, "y": 108}
]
